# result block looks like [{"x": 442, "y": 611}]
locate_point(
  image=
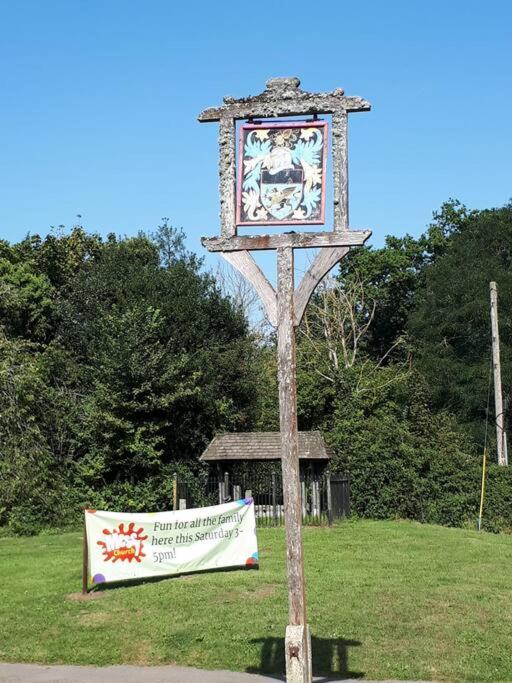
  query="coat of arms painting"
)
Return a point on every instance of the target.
[{"x": 281, "y": 173}]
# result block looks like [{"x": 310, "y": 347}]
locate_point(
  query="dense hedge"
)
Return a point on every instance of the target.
[{"x": 409, "y": 462}]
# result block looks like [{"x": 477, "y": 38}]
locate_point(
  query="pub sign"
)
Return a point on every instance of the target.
[{"x": 281, "y": 173}]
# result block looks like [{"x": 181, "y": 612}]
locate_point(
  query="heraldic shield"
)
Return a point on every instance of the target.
[
  {"x": 281, "y": 171},
  {"x": 281, "y": 192}
]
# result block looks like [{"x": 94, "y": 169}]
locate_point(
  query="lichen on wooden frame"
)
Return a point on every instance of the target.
[{"x": 281, "y": 173}]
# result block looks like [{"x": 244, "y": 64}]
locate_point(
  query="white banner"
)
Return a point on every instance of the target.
[{"x": 131, "y": 546}]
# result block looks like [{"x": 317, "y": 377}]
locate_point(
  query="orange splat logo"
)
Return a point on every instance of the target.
[{"x": 123, "y": 544}]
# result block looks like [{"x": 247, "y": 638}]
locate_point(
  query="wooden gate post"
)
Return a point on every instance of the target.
[
  {"x": 304, "y": 499},
  {"x": 175, "y": 491},
  {"x": 329, "y": 497},
  {"x": 226, "y": 487},
  {"x": 274, "y": 499},
  {"x": 221, "y": 488},
  {"x": 85, "y": 562}
]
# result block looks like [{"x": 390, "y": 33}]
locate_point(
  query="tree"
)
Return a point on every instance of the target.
[
  {"x": 34, "y": 477},
  {"x": 26, "y": 301},
  {"x": 170, "y": 243},
  {"x": 165, "y": 357},
  {"x": 121, "y": 361},
  {"x": 450, "y": 324},
  {"x": 391, "y": 276},
  {"x": 58, "y": 256}
]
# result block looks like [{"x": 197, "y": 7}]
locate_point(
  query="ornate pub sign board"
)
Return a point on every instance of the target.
[{"x": 281, "y": 173}]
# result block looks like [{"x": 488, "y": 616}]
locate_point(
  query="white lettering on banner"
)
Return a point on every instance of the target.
[
  {"x": 129, "y": 546},
  {"x": 115, "y": 542}
]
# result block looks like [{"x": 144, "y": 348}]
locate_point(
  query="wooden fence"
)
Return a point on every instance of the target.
[{"x": 324, "y": 497}]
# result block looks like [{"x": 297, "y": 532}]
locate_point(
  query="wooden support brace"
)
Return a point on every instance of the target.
[
  {"x": 292, "y": 240},
  {"x": 324, "y": 261},
  {"x": 247, "y": 266}
]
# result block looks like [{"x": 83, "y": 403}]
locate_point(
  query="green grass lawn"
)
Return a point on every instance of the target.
[{"x": 385, "y": 600}]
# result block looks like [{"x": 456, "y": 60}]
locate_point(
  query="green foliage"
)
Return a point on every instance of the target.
[
  {"x": 26, "y": 301},
  {"x": 59, "y": 256},
  {"x": 405, "y": 460},
  {"x": 408, "y": 455},
  {"x": 267, "y": 407},
  {"x": 392, "y": 275},
  {"x": 384, "y": 433},
  {"x": 450, "y": 326},
  {"x": 139, "y": 361},
  {"x": 33, "y": 479},
  {"x": 120, "y": 359}
]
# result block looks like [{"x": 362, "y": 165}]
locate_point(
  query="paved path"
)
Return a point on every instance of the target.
[{"x": 35, "y": 673}]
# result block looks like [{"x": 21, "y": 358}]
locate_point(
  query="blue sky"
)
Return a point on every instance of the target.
[{"x": 99, "y": 103}]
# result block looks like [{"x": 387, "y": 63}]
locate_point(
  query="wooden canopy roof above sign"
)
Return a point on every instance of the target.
[{"x": 263, "y": 446}]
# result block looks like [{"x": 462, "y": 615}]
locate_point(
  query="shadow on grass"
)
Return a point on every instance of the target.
[
  {"x": 330, "y": 658},
  {"x": 130, "y": 583}
]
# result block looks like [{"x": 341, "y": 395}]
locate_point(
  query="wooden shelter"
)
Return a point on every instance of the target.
[{"x": 254, "y": 447}]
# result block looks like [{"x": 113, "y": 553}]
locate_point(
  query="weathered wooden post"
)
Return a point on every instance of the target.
[
  {"x": 237, "y": 492},
  {"x": 281, "y": 181},
  {"x": 501, "y": 437},
  {"x": 175, "y": 491},
  {"x": 274, "y": 499},
  {"x": 85, "y": 563},
  {"x": 304, "y": 499},
  {"x": 329, "y": 497},
  {"x": 226, "y": 487}
]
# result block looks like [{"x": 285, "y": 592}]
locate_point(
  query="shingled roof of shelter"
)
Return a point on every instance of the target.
[{"x": 263, "y": 446}]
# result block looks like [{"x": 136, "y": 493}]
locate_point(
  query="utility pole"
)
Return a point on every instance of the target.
[
  {"x": 281, "y": 176},
  {"x": 501, "y": 437}
]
